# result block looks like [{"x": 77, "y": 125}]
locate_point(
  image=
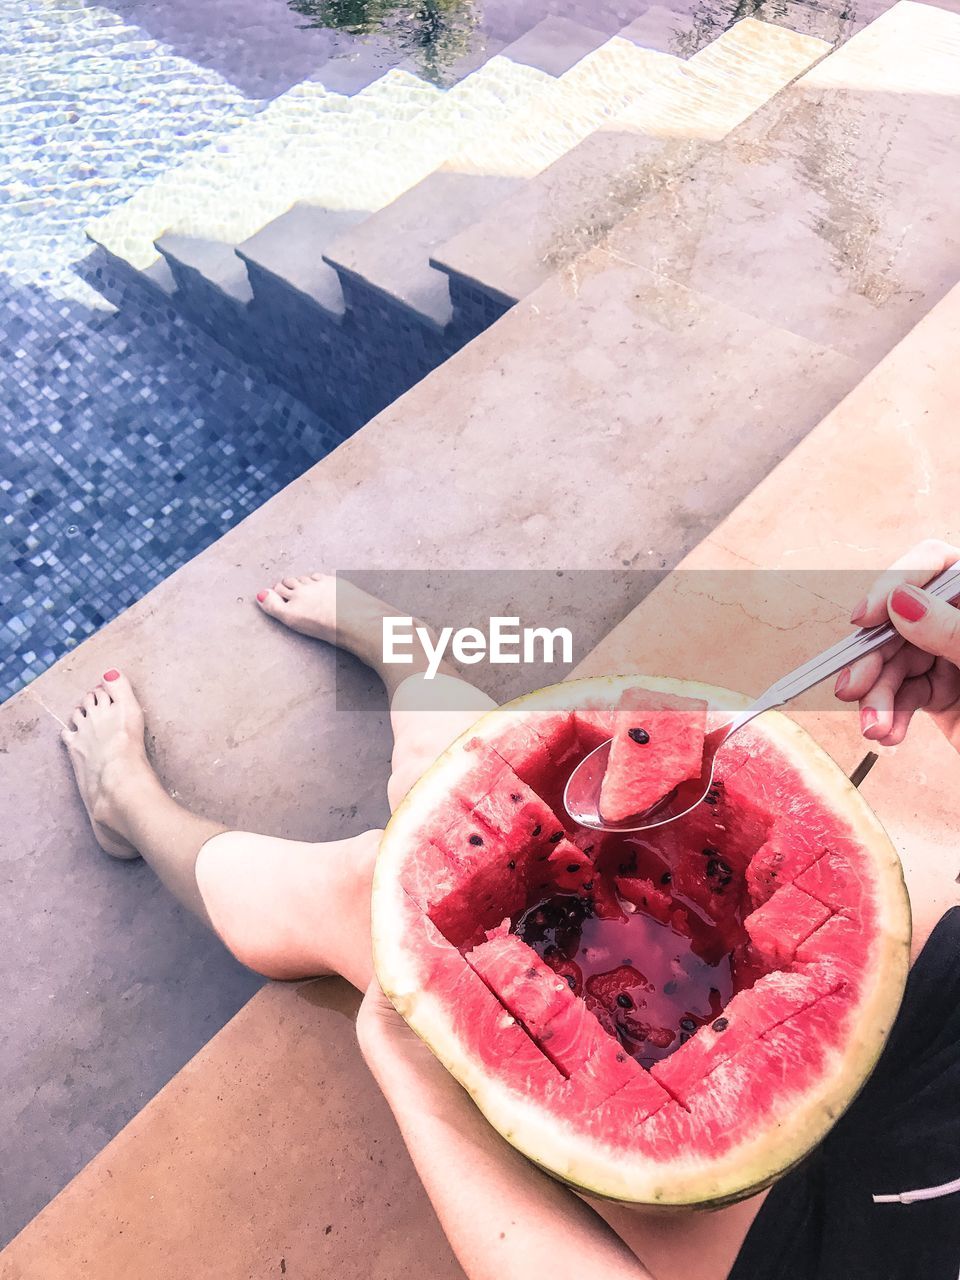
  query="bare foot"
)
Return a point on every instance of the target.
[
  {"x": 307, "y": 604},
  {"x": 107, "y": 753},
  {"x": 332, "y": 609}
]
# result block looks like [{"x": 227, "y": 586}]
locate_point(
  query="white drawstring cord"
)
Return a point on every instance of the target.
[{"x": 924, "y": 1193}]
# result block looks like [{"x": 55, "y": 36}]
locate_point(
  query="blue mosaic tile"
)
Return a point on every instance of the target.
[
  {"x": 129, "y": 440},
  {"x": 127, "y": 449}
]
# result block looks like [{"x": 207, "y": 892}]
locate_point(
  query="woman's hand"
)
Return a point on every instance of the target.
[
  {"x": 386, "y": 1042},
  {"x": 919, "y": 670},
  {"x": 378, "y": 1023}
]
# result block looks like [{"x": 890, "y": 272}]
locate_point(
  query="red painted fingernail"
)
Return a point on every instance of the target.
[
  {"x": 908, "y": 603},
  {"x": 112, "y": 674},
  {"x": 843, "y": 679},
  {"x": 859, "y": 609},
  {"x": 868, "y": 719},
  {"x": 261, "y": 596}
]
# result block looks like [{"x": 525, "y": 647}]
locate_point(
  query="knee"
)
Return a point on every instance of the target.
[
  {"x": 264, "y": 896},
  {"x": 230, "y": 874}
]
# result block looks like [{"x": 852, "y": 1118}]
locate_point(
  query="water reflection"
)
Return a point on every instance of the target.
[
  {"x": 434, "y": 33},
  {"x": 438, "y": 34}
]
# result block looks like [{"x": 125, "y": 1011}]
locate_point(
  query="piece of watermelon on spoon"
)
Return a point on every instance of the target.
[{"x": 658, "y": 741}]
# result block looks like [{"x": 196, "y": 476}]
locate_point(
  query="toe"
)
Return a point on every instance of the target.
[
  {"x": 272, "y": 602},
  {"x": 291, "y": 583},
  {"x": 67, "y": 736},
  {"x": 120, "y": 689},
  {"x": 79, "y": 718}
]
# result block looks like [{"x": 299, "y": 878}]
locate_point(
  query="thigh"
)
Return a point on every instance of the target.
[{"x": 427, "y": 715}]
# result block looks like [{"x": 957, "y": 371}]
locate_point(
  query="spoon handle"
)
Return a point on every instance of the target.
[{"x": 945, "y": 586}]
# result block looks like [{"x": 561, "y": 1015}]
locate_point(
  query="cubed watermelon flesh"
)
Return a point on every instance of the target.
[
  {"x": 657, "y": 994},
  {"x": 657, "y": 744}
]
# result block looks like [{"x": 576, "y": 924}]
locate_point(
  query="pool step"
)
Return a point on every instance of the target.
[
  {"x": 297, "y": 326},
  {"x": 328, "y": 148},
  {"x": 347, "y": 316},
  {"x": 230, "y": 189},
  {"x": 369, "y": 161},
  {"x": 388, "y": 255},
  {"x": 668, "y": 31},
  {"x": 597, "y": 183}
]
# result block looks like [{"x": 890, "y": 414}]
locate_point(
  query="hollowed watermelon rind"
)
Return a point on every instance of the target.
[{"x": 615, "y": 1172}]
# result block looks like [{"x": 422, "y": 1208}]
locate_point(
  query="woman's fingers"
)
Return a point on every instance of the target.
[
  {"x": 926, "y": 622},
  {"x": 918, "y": 566},
  {"x": 858, "y": 679},
  {"x": 944, "y": 686},
  {"x": 877, "y": 704},
  {"x": 912, "y": 696}
]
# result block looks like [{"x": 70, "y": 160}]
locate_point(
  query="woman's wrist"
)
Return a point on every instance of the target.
[{"x": 390, "y": 1049}]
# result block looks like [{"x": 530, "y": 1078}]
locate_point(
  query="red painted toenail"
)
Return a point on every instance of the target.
[
  {"x": 261, "y": 596},
  {"x": 112, "y": 674}
]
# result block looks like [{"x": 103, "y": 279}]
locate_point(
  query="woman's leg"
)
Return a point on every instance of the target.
[
  {"x": 288, "y": 909},
  {"x": 426, "y": 715},
  {"x": 285, "y": 908}
]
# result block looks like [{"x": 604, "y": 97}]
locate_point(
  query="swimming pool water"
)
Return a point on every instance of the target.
[{"x": 127, "y": 444}]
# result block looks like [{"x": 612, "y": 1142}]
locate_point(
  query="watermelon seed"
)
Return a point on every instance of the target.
[
  {"x": 624, "y": 1001},
  {"x": 627, "y": 961},
  {"x": 515, "y": 797},
  {"x": 537, "y": 829},
  {"x": 574, "y": 866},
  {"x": 587, "y": 885},
  {"x": 556, "y": 837},
  {"x": 571, "y": 981},
  {"x": 666, "y": 878},
  {"x": 639, "y": 736},
  {"x": 476, "y": 840},
  {"x": 721, "y": 1024},
  {"x": 511, "y": 865},
  {"x": 669, "y": 988},
  {"x": 687, "y": 1024}
]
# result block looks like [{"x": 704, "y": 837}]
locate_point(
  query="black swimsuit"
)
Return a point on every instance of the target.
[{"x": 902, "y": 1134}]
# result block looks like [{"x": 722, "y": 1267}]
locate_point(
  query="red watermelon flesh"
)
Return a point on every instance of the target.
[
  {"x": 778, "y": 862},
  {"x": 540, "y": 1000},
  {"x": 500, "y": 1038},
  {"x": 657, "y": 744},
  {"x": 784, "y": 922},
  {"x": 633, "y": 977},
  {"x": 488, "y": 855},
  {"x": 537, "y": 748}
]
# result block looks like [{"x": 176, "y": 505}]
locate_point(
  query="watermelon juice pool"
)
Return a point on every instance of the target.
[
  {"x": 641, "y": 978},
  {"x": 650, "y": 982}
]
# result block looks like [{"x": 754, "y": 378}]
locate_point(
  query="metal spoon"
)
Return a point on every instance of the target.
[{"x": 581, "y": 796}]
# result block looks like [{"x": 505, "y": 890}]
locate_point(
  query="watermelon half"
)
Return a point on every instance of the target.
[{"x": 669, "y": 1018}]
